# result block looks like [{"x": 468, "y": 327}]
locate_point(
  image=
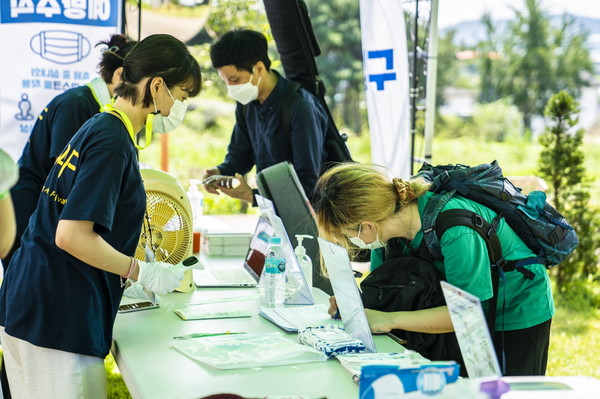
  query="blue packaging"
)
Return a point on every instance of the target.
[{"x": 387, "y": 381}]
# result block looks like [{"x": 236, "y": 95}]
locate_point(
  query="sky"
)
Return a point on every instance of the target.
[{"x": 451, "y": 12}]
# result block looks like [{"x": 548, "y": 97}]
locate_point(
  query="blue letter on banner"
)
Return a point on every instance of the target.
[
  {"x": 78, "y": 12},
  {"x": 381, "y": 78}
]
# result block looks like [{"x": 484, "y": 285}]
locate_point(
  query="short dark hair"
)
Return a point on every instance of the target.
[
  {"x": 117, "y": 47},
  {"x": 163, "y": 56},
  {"x": 242, "y": 48}
]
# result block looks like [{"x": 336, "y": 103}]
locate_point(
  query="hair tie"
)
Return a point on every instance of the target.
[{"x": 405, "y": 192}]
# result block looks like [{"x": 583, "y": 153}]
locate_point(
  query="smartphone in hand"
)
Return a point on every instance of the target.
[
  {"x": 213, "y": 179},
  {"x": 221, "y": 181}
]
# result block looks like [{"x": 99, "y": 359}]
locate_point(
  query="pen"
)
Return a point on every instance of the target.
[{"x": 200, "y": 335}]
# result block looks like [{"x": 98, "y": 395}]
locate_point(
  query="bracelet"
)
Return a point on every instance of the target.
[
  {"x": 4, "y": 194},
  {"x": 131, "y": 268}
]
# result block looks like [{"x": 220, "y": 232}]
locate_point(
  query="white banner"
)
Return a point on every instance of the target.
[
  {"x": 48, "y": 46},
  {"x": 385, "y": 64}
]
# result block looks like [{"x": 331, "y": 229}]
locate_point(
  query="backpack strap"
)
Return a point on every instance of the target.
[
  {"x": 487, "y": 231},
  {"x": 286, "y": 111},
  {"x": 463, "y": 217},
  {"x": 430, "y": 219}
]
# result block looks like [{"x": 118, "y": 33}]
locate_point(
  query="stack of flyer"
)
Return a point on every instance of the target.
[
  {"x": 225, "y": 244},
  {"x": 219, "y": 238},
  {"x": 354, "y": 361}
]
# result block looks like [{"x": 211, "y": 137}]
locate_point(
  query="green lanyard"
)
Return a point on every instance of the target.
[{"x": 129, "y": 126}]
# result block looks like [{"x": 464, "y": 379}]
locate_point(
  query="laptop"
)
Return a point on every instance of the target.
[
  {"x": 472, "y": 332},
  {"x": 235, "y": 276},
  {"x": 346, "y": 293}
]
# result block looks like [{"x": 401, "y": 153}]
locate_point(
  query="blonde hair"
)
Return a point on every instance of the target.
[{"x": 350, "y": 193}]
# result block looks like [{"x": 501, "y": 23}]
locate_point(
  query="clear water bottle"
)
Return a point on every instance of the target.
[
  {"x": 274, "y": 273},
  {"x": 197, "y": 203}
]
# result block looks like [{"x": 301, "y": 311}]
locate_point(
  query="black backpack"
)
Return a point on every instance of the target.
[{"x": 407, "y": 283}]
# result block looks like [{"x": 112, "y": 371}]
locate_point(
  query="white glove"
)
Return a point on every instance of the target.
[
  {"x": 9, "y": 172},
  {"x": 136, "y": 291},
  {"x": 160, "y": 277}
]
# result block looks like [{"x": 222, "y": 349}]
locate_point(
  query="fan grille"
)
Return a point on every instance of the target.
[{"x": 166, "y": 231}]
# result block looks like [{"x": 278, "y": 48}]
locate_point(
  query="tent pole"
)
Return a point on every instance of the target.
[
  {"x": 432, "y": 61},
  {"x": 414, "y": 90},
  {"x": 139, "y": 20}
]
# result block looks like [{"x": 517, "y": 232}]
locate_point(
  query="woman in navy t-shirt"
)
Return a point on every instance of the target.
[
  {"x": 56, "y": 125},
  {"x": 60, "y": 296}
]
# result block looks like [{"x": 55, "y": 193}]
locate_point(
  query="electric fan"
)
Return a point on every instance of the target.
[{"x": 167, "y": 229}]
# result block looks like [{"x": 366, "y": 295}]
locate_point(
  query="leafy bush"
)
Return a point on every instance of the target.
[
  {"x": 449, "y": 126},
  {"x": 498, "y": 121},
  {"x": 562, "y": 166}
]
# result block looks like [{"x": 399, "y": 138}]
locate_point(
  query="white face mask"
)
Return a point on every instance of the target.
[
  {"x": 245, "y": 92},
  {"x": 363, "y": 245},
  {"x": 165, "y": 124}
]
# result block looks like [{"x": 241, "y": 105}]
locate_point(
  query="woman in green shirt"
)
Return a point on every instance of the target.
[{"x": 360, "y": 205}]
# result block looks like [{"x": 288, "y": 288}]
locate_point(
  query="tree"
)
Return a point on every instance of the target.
[
  {"x": 488, "y": 92},
  {"x": 536, "y": 59},
  {"x": 561, "y": 165},
  {"x": 226, "y": 15},
  {"x": 447, "y": 69}
]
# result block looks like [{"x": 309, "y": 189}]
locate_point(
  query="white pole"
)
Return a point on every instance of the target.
[{"x": 432, "y": 58}]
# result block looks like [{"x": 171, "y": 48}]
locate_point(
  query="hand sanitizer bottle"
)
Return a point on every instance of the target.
[
  {"x": 304, "y": 260},
  {"x": 196, "y": 201}
]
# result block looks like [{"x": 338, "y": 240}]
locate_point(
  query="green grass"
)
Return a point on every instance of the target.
[
  {"x": 116, "y": 388},
  {"x": 575, "y": 342}
]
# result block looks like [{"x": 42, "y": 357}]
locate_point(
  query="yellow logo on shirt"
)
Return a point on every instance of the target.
[
  {"x": 64, "y": 159},
  {"x": 53, "y": 195}
]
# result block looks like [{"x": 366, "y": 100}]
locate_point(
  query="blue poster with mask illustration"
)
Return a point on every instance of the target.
[{"x": 52, "y": 48}]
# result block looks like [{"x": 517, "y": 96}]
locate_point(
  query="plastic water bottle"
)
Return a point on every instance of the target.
[
  {"x": 274, "y": 269},
  {"x": 196, "y": 201}
]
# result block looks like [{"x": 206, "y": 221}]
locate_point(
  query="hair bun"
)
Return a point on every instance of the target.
[{"x": 404, "y": 189}]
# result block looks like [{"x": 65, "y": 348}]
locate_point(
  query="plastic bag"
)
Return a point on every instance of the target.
[
  {"x": 235, "y": 351},
  {"x": 330, "y": 339}
]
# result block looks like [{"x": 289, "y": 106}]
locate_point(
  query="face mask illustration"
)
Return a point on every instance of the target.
[{"x": 60, "y": 46}]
